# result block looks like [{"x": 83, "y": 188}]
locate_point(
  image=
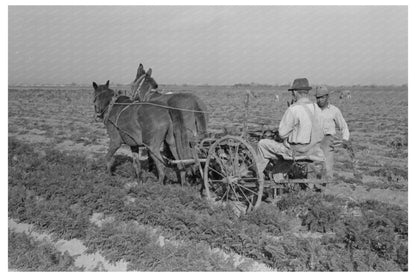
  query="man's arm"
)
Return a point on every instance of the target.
[
  {"x": 286, "y": 124},
  {"x": 342, "y": 125}
]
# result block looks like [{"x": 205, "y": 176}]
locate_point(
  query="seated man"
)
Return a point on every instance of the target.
[{"x": 300, "y": 129}]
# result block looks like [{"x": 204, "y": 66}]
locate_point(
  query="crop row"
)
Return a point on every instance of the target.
[
  {"x": 27, "y": 254},
  {"x": 60, "y": 192}
]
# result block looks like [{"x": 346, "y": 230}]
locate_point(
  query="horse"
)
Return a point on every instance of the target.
[
  {"x": 192, "y": 110},
  {"x": 137, "y": 125}
]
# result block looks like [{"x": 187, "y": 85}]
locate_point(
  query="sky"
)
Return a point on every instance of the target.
[{"x": 216, "y": 45}]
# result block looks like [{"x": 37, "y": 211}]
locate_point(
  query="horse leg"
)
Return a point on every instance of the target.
[
  {"x": 180, "y": 173},
  {"x": 157, "y": 159},
  {"x": 192, "y": 131},
  {"x": 136, "y": 164},
  {"x": 180, "y": 170},
  {"x": 114, "y": 146}
]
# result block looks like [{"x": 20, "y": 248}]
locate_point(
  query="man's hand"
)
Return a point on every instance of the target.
[
  {"x": 272, "y": 134},
  {"x": 346, "y": 144},
  {"x": 341, "y": 143}
]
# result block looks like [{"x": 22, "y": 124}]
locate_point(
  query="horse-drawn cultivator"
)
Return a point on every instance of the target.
[
  {"x": 230, "y": 171},
  {"x": 229, "y": 168},
  {"x": 228, "y": 164}
]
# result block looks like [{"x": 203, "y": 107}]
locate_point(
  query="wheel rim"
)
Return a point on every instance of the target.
[{"x": 231, "y": 173}]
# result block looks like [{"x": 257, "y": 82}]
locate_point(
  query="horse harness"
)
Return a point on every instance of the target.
[
  {"x": 107, "y": 110},
  {"x": 147, "y": 95}
]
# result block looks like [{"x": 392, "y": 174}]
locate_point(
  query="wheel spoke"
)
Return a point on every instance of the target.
[
  {"x": 244, "y": 194},
  {"x": 250, "y": 159},
  {"x": 236, "y": 155},
  {"x": 218, "y": 181},
  {"x": 245, "y": 155},
  {"x": 217, "y": 172},
  {"x": 253, "y": 163},
  {"x": 252, "y": 191},
  {"x": 225, "y": 194},
  {"x": 220, "y": 162},
  {"x": 231, "y": 160},
  {"x": 215, "y": 188},
  {"x": 227, "y": 151},
  {"x": 235, "y": 193}
]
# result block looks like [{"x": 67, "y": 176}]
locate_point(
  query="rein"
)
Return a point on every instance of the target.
[
  {"x": 109, "y": 108},
  {"x": 161, "y": 106},
  {"x": 99, "y": 115},
  {"x": 147, "y": 94},
  {"x": 141, "y": 78},
  {"x": 107, "y": 120}
]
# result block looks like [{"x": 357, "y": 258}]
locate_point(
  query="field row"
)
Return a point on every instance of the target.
[{"x": 59, "y": 193}]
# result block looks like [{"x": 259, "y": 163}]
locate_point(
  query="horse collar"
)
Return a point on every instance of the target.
[{"x": 137, "y": 91}]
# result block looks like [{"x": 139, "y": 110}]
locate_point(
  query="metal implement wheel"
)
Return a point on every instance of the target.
[{"x": 231, "y": 173}]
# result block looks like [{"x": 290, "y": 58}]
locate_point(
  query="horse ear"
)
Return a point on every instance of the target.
[
  {"x": 140, "y": 71},
  {"x": 94, "y": 85},
  {"x": 149, "y": 72},
  {"x": 108, "y": 83}
]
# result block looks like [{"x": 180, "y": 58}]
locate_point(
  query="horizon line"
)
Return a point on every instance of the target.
[{"x": 213, "y": 85}]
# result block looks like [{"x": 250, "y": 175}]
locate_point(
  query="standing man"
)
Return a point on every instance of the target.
[
  {"x": 333, "y": 119},
  {"x": 300, "y": 129}
]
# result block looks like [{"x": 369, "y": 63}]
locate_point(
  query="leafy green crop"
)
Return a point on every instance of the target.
[
  {"x": 59, "y": 193},
  {"x": 26, "y": 254}
]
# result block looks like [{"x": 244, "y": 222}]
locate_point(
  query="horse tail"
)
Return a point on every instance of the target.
[
  {"x": 201, "y": 118},
  {"x": 180, "y": 134}
]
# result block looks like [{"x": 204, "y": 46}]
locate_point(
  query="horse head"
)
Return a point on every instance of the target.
[
  {"x": 143, "y": 86},
  {"x": 102, "y": 98}
]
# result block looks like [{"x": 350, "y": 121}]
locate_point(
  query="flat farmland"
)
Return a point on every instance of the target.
[{"x": 57, "y": 182}]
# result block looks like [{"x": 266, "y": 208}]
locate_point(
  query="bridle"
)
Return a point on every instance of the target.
[{"x": 105, "y": 113}]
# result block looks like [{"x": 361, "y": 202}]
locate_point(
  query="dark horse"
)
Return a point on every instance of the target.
[
  {"x": 191, "y": 110},
  {"x": 139, "y": 124}
]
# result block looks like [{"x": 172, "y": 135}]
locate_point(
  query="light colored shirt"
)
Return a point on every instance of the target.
[
  {"x": 296, "y": 124},
  {"x": 333, "y": 119}
]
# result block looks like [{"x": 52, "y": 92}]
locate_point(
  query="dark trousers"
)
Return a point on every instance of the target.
[{"x": 327, "y": 145}]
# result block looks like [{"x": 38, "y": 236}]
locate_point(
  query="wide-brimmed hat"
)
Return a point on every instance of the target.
[
  {"x": 321, "y": 91},
  {"x": 300, "y": 84}
]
